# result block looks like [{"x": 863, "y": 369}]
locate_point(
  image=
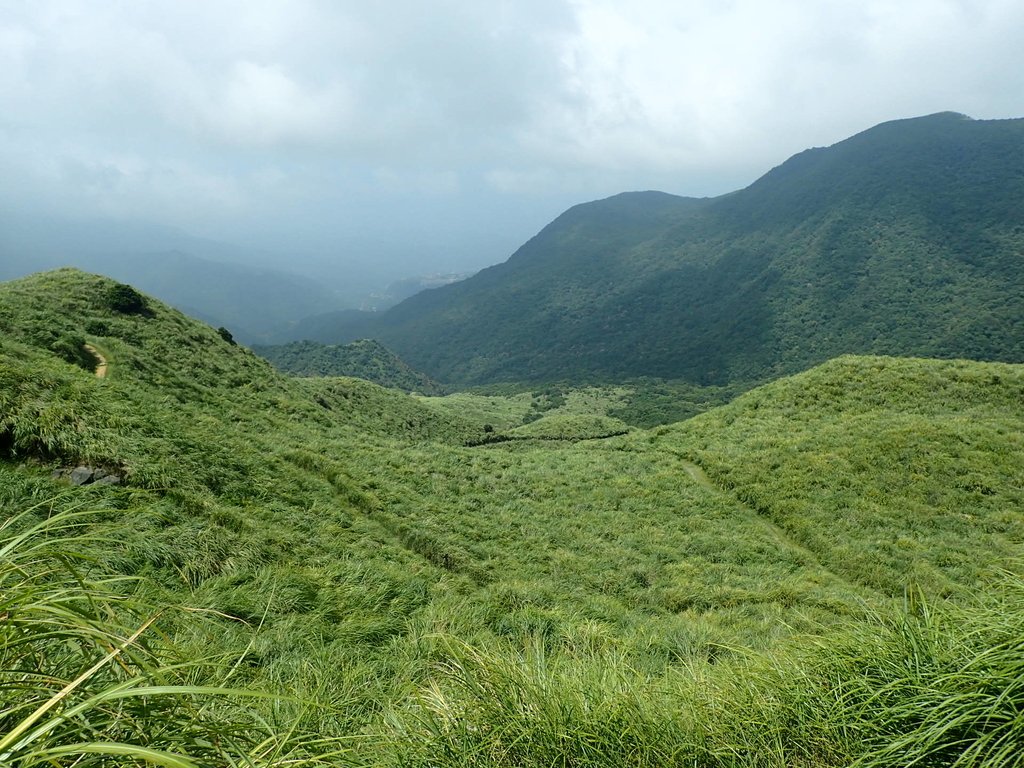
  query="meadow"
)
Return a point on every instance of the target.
[{"x": 825, "y": 571}]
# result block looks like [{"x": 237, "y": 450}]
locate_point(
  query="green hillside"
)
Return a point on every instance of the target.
[
  {"x": 363, "y": 359},
  {"x": 824, "y": 571},
  {"x": 905, "y": 239}
]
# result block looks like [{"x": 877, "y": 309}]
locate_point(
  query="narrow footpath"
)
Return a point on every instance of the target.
[
  {"x": 780, "y": 534},
  {"x": 101, "y": 361},
  {"x": 697, "y": 475}
]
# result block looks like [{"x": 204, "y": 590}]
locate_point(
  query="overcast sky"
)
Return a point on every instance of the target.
[{"x": 441, "y": 134}]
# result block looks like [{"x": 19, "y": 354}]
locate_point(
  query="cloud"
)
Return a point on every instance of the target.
[
  {"x": 261, "y": 105},
  {"x": 690, "y": 84},
  {"x": 193, "y": 109}
]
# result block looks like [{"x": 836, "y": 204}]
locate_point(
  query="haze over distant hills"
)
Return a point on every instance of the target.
[
  {"x": 219, "y": 283},
  {"x": 257, "y": 294},
  {"x": 904, "y": 239}
]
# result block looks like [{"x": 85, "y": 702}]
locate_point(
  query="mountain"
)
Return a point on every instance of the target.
[
  {"x": 206, "y": 562},
  {"x": 323, "y": 328},
  {"x": 364, "y": 359},
  {"x": 207, "y": 279},
  {"x": 906, "y": 239}
]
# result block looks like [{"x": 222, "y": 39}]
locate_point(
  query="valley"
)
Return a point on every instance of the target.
[
  {"x": 573, "y": 384},
  {"x": 824, "y": 570}
]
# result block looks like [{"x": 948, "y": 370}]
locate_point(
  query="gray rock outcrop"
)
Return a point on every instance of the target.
[{"x": 83, "y": 475}]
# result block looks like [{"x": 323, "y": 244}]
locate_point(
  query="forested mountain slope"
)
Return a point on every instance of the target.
[
  {"x": 906, "y": 239},
  {"x": 363, "y": 359}
]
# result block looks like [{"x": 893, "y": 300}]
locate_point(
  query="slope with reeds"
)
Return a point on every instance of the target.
[{"x": 378, "y": 583}]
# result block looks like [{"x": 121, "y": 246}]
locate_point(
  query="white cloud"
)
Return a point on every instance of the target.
[
  {"x": 261, "y": 105},
  {"x": 699, "y": 83}
]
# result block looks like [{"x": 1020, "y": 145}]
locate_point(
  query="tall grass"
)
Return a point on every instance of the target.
[
  {"x": 505, "y": 709},
  {"x": 336, "y": 535},
  {"x": 921, "y": 687},
  {"x": 943, "y": 687},
  {"x": 86, "y": 679}
]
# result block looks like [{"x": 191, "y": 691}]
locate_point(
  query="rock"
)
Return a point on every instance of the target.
[{"x": 82, "y": 475}]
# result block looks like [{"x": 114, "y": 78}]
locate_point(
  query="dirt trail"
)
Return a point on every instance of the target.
[
  {"x": 697, "y": 474},
  {"x": 101, "y": 361}
]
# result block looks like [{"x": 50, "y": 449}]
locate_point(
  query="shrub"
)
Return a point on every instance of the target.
[
  {"x": 125, "y": 299},
  {"x": 71, "y": 349},
  {"x": 97, "y": 328},
  {"x": 226, "y": 335}
]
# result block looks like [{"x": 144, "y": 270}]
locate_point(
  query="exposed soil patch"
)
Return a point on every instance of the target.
[{"x": 101, "y": 361}]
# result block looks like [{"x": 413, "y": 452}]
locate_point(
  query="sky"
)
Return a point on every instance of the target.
[{"x": 412, "y": 137}]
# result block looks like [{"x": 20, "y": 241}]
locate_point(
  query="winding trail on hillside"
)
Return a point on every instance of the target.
[
  {"x": 698, "y": 475},
  {"x": 101, "y": 361},
  {"x": 777, "y": 532}
]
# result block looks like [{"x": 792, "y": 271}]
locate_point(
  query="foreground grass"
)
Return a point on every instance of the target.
[
  {"x": 87, "y": 677},
  {"x": 940, "y": 687}
]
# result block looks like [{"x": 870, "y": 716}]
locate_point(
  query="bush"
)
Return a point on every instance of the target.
[
  {"x": 125, "y": 299},
  {"x": 226, "y": 335},
  {"x": 97, "y": 328},
  {"x": 71, "y": 349}
]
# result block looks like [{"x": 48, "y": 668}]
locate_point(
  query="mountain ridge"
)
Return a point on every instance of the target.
[
  {"x": 903, "y": 239},
  {"x": 364, "y": 359}
]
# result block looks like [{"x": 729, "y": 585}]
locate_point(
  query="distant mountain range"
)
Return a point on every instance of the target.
[
  {"x": 905, "y": 239},
  {"x": 220, "y": 283},
  {"x": 213, "y": 281}
]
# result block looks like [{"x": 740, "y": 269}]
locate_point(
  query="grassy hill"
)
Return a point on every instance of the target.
[
  {"x": 824, "y": 571},
  {"x": 905, "y": 239},
  {"x": 363, "y": 359}
]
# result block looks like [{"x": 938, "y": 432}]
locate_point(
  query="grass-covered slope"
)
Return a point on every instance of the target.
[
  {"x": 170, "y": 379},
  {"x": 892, "y": 471},
  {"x": 727, "y": 591},
  {"x": 905, "y": 239},
  {"x": 362, "y": 359}
]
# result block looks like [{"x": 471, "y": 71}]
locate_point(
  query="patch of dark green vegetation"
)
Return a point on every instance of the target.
[
  {"x": 826, "y": 571},
  {"x": 126, "y": 300},
  {"x": 363, "y": 359},
  {"x": 71, "y": 348},
  {"x": 650, "y": 402}
]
